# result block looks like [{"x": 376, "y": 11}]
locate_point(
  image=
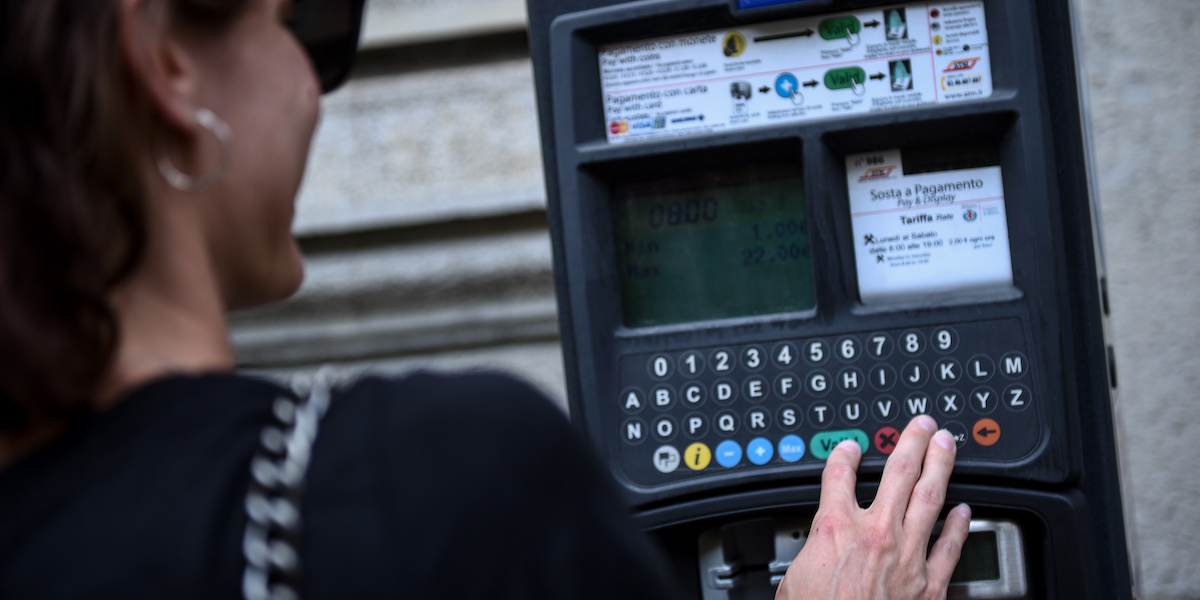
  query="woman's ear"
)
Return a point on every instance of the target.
[{"x": 158, "y": 62}]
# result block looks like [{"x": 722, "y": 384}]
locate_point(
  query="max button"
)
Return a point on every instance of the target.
[
  {"x": 986, "y": 432},
  {"x": 791, "y": 448}
]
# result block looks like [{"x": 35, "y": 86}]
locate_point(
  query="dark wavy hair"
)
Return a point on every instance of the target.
[{"x": 74, "y": 128}]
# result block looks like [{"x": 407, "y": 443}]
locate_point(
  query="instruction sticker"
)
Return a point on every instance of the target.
[
  {"x": 927, "y": 234},
  {"x": 844, "y": 63}
]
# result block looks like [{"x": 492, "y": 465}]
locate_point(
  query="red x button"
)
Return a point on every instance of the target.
[{"x": 886, "y": 438}]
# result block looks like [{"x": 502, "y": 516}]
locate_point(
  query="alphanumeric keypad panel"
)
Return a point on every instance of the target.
[{"x": 693, "y": 411}]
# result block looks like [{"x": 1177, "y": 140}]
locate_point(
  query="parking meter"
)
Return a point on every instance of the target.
[{"x": 781, "y": 224}]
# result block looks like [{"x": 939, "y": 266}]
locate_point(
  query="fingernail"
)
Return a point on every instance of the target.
[
  {"x": 849, "y": 446},
  {"x": 926, "y": 422},
  {"x": 945, "y": 439},
  {"x": 963, "y": 511}
]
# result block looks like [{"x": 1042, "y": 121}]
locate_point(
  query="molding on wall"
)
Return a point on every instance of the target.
[
  {"x": 423, "y": 145},
  {"x": 390, "y": 22},
  {"x": 410, "y": 290}
]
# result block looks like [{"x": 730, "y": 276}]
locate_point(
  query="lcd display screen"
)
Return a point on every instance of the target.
[{"x": 718, "y": 245}]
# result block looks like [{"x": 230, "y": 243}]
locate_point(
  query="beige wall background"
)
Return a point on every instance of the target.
[{"x": 422, "y": 217}]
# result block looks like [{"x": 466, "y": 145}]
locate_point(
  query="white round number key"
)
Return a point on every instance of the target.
[
  {"x": 945, "y": 339},
  {"x": 660, "y": 367},
  {"x": 847, "y": 348},
  {"x": 912, "y": 343}
]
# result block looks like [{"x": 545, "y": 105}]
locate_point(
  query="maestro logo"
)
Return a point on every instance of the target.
[{"x": 618, "y": 127}]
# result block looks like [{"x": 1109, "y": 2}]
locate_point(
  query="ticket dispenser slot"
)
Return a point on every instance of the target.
[
  {"x": 778, "y": 225},
  {"x": 747, "y": 559}
]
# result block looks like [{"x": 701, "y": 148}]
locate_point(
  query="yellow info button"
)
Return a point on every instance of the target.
[{"x": 697, "y": 456}]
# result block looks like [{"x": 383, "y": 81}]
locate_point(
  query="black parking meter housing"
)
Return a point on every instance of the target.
[{"x": 802, "y": 341}]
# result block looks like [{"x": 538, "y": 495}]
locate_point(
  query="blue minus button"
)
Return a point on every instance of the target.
[
  {"x": 729, "y": 453},
  {"x": 744, "y": 4}
]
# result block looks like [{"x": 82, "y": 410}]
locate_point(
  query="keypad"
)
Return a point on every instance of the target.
[{"x": 790, "y": 401}]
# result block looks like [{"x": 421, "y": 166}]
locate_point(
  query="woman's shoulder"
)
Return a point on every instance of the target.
[
  {"x": 453, "y": 412},
  {"x": 483, "y": 422},
  {"x": 416, "y": 477},
  {"x": 432, "y": 391},
  {"x": 150, "y": 486}
]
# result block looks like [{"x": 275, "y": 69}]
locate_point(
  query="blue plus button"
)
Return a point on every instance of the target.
[
  {"x": 729, "y": 453},
  {"x": 791, "y": 448},
  {"x": 760, "y": 451}
]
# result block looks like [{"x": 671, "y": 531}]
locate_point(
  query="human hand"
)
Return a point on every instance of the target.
[{"x": 880, "y": 552}]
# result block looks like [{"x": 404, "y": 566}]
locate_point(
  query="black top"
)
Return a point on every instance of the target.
[{"x": 424, "y": 487}]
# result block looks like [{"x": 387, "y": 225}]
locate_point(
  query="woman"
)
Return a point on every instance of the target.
[{"x": 152, "y": 151}]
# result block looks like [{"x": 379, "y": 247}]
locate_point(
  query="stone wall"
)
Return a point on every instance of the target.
[{"x": 1144, "y": 78}]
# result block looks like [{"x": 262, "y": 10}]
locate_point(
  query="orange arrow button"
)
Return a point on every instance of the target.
[{"x": 986, "y": 432}]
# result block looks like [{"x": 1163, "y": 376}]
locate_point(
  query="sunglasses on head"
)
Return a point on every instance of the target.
[{"x": 328, "y": 30}]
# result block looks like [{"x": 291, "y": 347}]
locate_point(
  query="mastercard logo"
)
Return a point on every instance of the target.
[{"x": 618, "y": 127}]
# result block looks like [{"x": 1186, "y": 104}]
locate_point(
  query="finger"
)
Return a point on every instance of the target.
[
  {"x": 840, "y": 475},
  {"x": 903, "y": 468},
  {"x": 946, "y": 552},
  {"x": 930, "y": 491}
]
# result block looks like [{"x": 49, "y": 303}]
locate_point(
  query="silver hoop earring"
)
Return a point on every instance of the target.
[{"x": 183, "y": 182}]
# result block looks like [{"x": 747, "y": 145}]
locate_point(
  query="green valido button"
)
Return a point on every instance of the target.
[
  {"x": 840, "y": 79},
  {"x": 836, "y": 28},
  {"x": 824, "y": 443}
]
